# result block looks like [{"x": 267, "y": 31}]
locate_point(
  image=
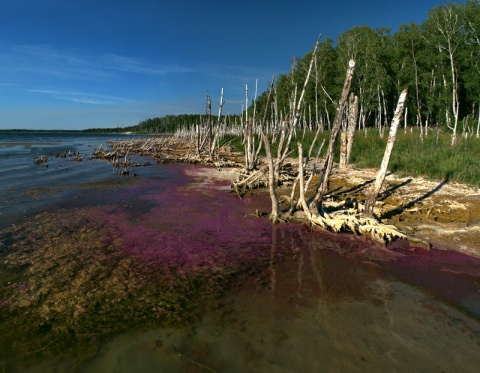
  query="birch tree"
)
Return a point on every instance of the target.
[
  {"x": 445, "y": 33},
  {"x": 409, "y": 56},
  {"x": 368, "y": 48},
  {"x": 377, "y": 185},
  {"x": 471, "y": 21}
]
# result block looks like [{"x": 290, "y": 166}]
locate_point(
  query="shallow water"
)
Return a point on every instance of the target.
[
  {"x": 311, "y": 309},
  {"x": 23, "y": 183},
  {"x": 397, "y": 328},
  {"x": 259, "y": 297}
]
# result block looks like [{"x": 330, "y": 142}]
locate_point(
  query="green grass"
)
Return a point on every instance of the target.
[
  {"x": 233, "y": 141},
  {"x": 410, "y": 156}
]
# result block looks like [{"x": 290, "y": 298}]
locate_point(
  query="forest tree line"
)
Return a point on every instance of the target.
[
  {"x": 167, "y": 124},
  {"x": 438, "y": 61}
]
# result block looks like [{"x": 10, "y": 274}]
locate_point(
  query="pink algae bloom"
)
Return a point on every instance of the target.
[{"x": 182, "y": 229}]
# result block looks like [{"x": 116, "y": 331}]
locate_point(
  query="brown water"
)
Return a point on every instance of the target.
[{"x": 255, "y": 297}]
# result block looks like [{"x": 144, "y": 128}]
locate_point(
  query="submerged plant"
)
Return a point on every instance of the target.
[{"x": 70, "y": 280}]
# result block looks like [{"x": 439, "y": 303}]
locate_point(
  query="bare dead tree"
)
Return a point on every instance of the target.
[
  {"x": 478, "y": 123},
  {"x": 271, "y": 167},
  {"x": 249, "y": 143},
  {"x": 307, "y": 78},
  {"x": 289, "y": 130},
  {"x": 209, "y": 121},
  {"x": 214, "y": 143},
  {"x": 315, "y": 202},
  {"x": 352, "y": 125},
  {"x": 372, "y": 195},
  {"x": 207, "y": 135},
  {"x": 300, "y": 177},
  {"x": 343, "y": 150}
]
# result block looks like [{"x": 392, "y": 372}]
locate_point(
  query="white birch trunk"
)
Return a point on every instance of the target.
[
  {"x": 372, "y": 196},
  {"x": 478, "y": 123}
]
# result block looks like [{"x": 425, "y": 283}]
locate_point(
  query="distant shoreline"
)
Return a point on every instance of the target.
[{"x": 87, "y": 131}]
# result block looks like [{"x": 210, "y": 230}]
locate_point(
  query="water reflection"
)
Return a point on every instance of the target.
[{"x": 309, "y": 309}]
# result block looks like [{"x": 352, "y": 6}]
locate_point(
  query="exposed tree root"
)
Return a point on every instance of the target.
[
  {"x": 250, "y": 180},
  {"x": 352, "y": 220},
  {"x": 347, "y": 217},
  {"x": 358, "y": 224}
]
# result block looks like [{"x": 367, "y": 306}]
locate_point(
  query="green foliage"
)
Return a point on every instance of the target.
[
  {"x": 166, "y": 124},
  {"x": 432, "y": 159},
  {"x": 429, "y": 59},
  {"x": 234, "y": 141},
  {"x": 412, "y": 157}
]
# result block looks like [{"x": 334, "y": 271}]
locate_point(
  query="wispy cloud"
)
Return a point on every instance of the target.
[
  {"x": 79, "y": 64},
  {"x": 82, "y": 97},
  {"x": 133, "y": 65},
  {"x": 73, "y": 63},
  {"x": 49, "y": 61}
]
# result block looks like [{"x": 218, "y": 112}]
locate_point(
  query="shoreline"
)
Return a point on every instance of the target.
[{"x": 444, "y": 214}]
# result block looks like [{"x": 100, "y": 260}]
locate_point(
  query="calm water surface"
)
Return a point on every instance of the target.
[
  {"x": 23, "y": 182},
  {"x": 295, "y": 300}
]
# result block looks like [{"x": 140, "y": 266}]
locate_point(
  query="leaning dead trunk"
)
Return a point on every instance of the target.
[
  {"x": 316, "y": 200},
  {"x": 271, "y": 179},
  {"x": 283, "y": 147},
  {"x": 372, "y": 196},
  {"x": 271, "y": 167}
]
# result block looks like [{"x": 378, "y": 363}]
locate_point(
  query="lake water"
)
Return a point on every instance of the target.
[
  {"x": 169, "y": 272},
  {"x": 22, "y": 180}
]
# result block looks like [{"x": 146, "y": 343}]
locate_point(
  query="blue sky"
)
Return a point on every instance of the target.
[{"x": 69, "y": 64}]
